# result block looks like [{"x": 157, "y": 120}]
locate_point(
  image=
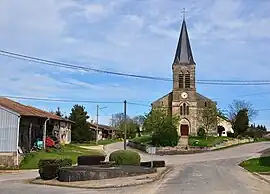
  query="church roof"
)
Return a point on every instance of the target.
[{"x": 183, "y": 53}]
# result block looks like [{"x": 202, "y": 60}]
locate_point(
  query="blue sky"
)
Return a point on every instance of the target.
[{"x": 230, "y": 40}]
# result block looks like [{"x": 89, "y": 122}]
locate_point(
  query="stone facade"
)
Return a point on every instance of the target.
[
  {"x": 184, "y": 101},
  {"x": 9, "y": 160}
]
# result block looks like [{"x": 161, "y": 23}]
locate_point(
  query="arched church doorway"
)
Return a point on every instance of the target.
[
  {"x": 220, "y": 130},
  {"x": 184, "y": 129}
]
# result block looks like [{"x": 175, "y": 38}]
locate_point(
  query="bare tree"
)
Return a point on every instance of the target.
[
  {"x": 238, "y": 105},
  {"x": 208, "y": 117}
]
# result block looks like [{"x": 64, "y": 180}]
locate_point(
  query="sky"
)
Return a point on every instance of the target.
[{"x": 230, "y": 40}]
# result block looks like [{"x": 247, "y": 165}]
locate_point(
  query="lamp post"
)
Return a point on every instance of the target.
[{"x": 98, "y": 108}]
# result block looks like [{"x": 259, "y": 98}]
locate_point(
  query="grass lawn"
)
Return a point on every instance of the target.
[
  {"x": 203, "y": 141},
  {"x": 68, "y": 151},
  {"x": 100, "y": 142},
  {"x": 257, "y": 164},
  {"x": 146, "y": 139}
]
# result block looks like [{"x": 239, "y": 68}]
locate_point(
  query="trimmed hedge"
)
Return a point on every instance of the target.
[
  {"x": 49, "y": 168},
  {"x": 156, "y": 164},
  {"x": 90, "y": 160},
  {"x": 125, "y": 157}
]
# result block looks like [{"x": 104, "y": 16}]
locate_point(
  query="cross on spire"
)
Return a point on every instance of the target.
[{"x": 184, "y": 13}]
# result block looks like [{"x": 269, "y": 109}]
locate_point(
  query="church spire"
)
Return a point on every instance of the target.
[{"x": 183, "y": 53}]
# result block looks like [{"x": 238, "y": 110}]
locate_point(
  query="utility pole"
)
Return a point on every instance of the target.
[
  {"x": 125, "y": 120},
  {"x": 98, "y": 108},
  {"x": 97, "y": 126}
]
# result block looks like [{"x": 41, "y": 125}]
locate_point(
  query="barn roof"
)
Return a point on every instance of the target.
[{"x": 24, "y": 110}]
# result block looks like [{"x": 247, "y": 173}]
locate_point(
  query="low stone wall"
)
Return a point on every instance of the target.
[
  {"x": 8, "y": 160},
  {"x": 138, "y": 146},
  {"x": 187, "y": 149}
]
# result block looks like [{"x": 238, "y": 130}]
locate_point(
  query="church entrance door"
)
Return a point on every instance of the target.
[{"x": 184, "y": 130}]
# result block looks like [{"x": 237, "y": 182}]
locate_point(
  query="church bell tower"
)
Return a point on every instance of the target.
[{"x": 183, "y": 67}]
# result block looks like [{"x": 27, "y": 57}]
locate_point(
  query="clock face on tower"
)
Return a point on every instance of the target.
[{"x": 184, "y": 95}]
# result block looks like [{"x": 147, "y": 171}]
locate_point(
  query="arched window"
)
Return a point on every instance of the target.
[
  {"x": 181, "y": 79},
  {"x": 187, "y": 80},
  {"x": 184, "y": 109}
]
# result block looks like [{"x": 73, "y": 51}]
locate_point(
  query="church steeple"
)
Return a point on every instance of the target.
[{"x": 183, "y": 53}]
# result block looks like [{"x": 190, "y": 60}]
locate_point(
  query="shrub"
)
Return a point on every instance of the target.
[
  {"x": 49, "y": 172},
  {"x": 49, "y": 168},
  {"x": 201, "y": 132},
  {"x": 90, "y": 160},
  {"x": 125, "y": 157},
  {"x": 156, "y": 164},
  {"x": 230, "y": 134},
  {"x": 166, "y": 137}
]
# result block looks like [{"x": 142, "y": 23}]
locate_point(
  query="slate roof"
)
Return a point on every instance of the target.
[
  {"x": 24, "y": 110},
  {"x": 183, "y": 53}
]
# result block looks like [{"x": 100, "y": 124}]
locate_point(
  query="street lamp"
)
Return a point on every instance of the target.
[{"x": 98, "y": 108}]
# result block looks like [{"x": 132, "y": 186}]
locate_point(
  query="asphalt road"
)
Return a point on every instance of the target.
[{"x": 214, "y": 172}]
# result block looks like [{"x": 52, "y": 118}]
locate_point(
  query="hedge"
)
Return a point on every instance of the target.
[
  {"x": 90, "y": 160},
  {"x": 125, "y": 157},
  {"x": 49, "y": 168}
]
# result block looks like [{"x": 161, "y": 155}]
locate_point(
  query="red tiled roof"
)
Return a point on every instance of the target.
[{"x": 24, "y": 110}]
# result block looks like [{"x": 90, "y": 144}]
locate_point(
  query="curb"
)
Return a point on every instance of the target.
[
  {"x": 257, "y": 175},
  {"x": 156, "y": 178},
  {"x": 18, "y": 171}
]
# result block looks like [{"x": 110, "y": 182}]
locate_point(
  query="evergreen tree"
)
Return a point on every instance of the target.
[
  {"x": 80, "y": 131},
  {"x": 58, "y": 112},
  {"x": 241, "y": 122}
]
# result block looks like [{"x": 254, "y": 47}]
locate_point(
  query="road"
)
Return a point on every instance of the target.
[{"x": 213, "y": 172}]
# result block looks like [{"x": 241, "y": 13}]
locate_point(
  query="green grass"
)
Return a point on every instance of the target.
[
  {"x": 206, "y": 141},
  {"x": 257, "y": 164},
  {"x": 68, "y": 151},
  {"x": 100, "y": 142},
  {"x": 146, "y": 139}
]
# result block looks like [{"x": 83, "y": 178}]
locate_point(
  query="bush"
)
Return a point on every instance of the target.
[
  {"x": 143, "y": 139},
  {"x": 230, "y": 134},
  {"x": 125, "y": 157},
  {"x": 166, "y": 137},
  {"x": 49, "y": 172},
  {"x": 201, "y": 132},
  {"x": 156, "y": 164},
  {"x": 49, "y": 168},
  {"x": 90, "y": 160}
]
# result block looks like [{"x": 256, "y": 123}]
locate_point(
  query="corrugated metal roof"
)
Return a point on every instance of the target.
[
  {"x": 24, "y": 110},
  {"x": 100, "y": 126}
]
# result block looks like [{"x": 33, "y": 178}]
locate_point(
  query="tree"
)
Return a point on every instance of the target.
[
  {"x": 209, "y": 117},
  {"x": 58, "y": 112},
  {"x": 163, "y": 128},
  {"x": 119, "y": 123},
  {"x": 80, "y": 131},
  {"x": 139, "y": 120},
  {"x": 241, "y": 122},
  {"x": 238, "y": 105}
]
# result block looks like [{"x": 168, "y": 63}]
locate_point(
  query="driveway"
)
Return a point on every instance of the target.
[{"x": 212, "y": 172}]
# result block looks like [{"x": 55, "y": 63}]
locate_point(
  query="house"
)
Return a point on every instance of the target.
[
  {"x": 21, "y": 126},
  {"x": 104, "y": 131},
  {"x": 184, "y": 100}
]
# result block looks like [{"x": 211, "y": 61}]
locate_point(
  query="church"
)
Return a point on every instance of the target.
[{"x": 184, "y": 100}]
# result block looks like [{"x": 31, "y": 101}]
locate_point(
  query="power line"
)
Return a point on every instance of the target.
[
  {"x": 62, "y": 100},
  {"x": 77, "y": 67}
]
